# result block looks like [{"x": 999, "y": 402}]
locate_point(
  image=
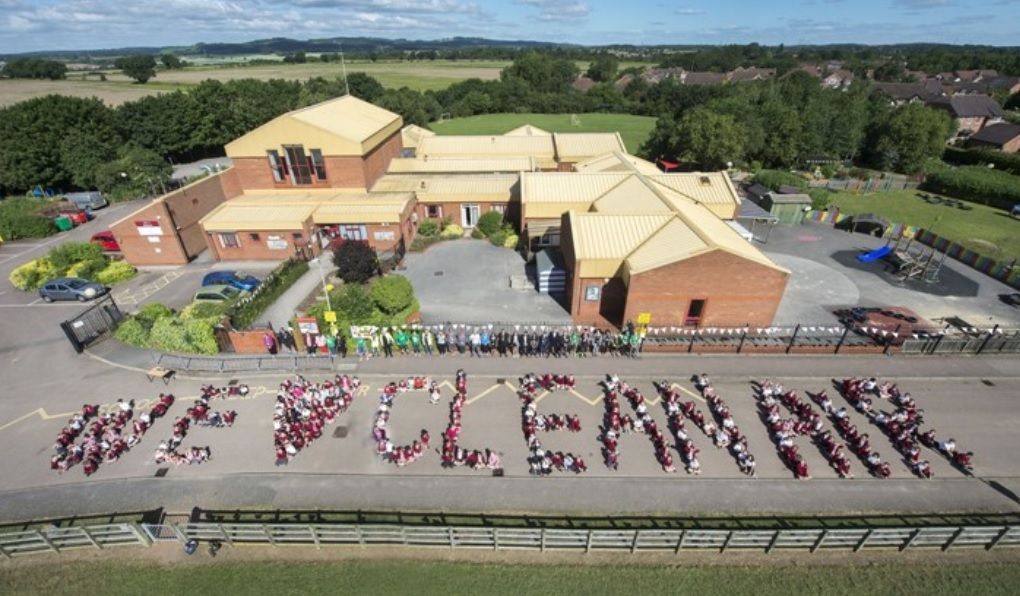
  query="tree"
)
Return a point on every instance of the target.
[
  {"x": 34, "y": 68},
  {"x": 295, "y": 58},
  {"x": 782, "y": 139},
  {"x": 137, "y": 171},
  {"x": 171, "y": 62},
  {"x": 542, "y": 72},
  {"x": 415, "y": 107},
  {"x": 33, "y": 150},
  {"x": 603, "y": 68},
  {"x": 139, "y": 67},
  {"x": 364, "y": 86},
  {"x": 356, "y": 262},
  {"x": 706, "y": 138},
  {"x": 906, "y": 137}
]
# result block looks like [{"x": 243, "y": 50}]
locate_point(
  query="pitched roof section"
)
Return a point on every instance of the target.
[
  {"x": 997, "y": 134},
  {"x": 527, "y": 130},
  {"x": 234, "y": 216},
  {"x": 969, "y": 106},
  {"x": 342, "y": 126},
  {"x": 539, "y": 147},
  {"x": 631, "y": 196},
  {"x": 461, "y": 165},
  {"x": 601, "y": 236},
  {"x": 575, "y": 147},
  {"x": 412, "y": 134},
  {"x": 434, "y": 188},
  {"x": 672, "y": 242},
  {"x": 290, "y": 210},
  {"x": 616, "y": 162}
]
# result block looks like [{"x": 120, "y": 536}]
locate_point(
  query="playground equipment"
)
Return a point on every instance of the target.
[
  {"x": 919, "y": 263},
  {"x": 875, "y": 255}
]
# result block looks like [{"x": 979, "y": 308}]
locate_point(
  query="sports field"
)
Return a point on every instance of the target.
[
  {"x": 422, "y": 578},
  {"x": 988, "y": 231},
  {"x": 633, "y": 129}
]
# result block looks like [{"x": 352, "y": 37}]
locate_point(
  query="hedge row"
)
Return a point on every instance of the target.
[
  {"x": 1007, "y": 162},
  {"x": 773, "y": 179},
  {"x": 247, "y": 310},
  {"x": 977, "y": 184}
]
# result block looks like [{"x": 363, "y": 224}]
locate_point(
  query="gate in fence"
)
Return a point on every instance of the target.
[
  {"x": 92, "y": 324},
  {"x": 513, "y": 538}
]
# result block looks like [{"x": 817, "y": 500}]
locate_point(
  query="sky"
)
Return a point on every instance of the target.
[{"x": 31, "y": 25}]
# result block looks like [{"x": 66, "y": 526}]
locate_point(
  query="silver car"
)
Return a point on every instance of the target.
[{"x": 71, "y": 288}]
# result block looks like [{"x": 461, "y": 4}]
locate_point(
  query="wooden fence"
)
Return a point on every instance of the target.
[{"x": 520, "y": 538}]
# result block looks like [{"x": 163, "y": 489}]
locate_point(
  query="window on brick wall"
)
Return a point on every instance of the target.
[
  {"x": 300, "y": 165},
  {"x": 277, "y": 165},
  {"x": 499, "y": 208},
  {"x": 318, "y": 164},
  {"x": 434, "y": 210},
  {"x": 254, "y": 236},
  {"x": 229, "y": 240}
]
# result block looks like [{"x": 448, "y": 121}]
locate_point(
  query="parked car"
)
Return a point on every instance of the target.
[
  {"x": 218, "y": 293},
  {"x": 106, "y": 240},
  {"x": 71, "y": 288},
  {"x": 237, "y": 279},
  {"x": 87, "y": 200}
]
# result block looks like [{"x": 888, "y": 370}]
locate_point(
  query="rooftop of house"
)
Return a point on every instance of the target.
[
  {"x": 283, "y": 210},
  {"x": 997, "y": 134},
  {"x": 968, "y": 106}
]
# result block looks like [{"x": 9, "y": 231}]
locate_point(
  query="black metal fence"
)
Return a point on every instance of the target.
[{"x": 93, "y": 323}]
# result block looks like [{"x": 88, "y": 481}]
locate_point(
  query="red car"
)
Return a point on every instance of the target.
[{"x": 106, "y": 240}]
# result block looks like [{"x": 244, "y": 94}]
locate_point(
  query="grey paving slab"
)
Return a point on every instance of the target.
[{"x": 468, "y": 281}]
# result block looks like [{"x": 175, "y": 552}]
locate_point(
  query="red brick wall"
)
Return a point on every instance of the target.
[
  {"x": 192, "y": 203},
  {"x": 138, "y": 250},
  {"x": 972, "y": 124},
  {"x": 608, "y": 311},
  {"x": 378, "y": 159},
  {"x": 257, "y": 250},
  {"x": 737, "y": 291},
  {"x": 341, "y": 171}
]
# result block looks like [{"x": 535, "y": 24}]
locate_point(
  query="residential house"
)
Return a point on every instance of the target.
[
  {"x": 1002, "y": 136},
  {"x": 970, "y": 112}
]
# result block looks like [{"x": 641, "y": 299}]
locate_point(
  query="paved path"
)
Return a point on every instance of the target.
[{"x": 285, "y": 308}]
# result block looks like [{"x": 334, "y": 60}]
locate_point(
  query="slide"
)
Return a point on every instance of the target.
[{"x": 874, "y": 255}]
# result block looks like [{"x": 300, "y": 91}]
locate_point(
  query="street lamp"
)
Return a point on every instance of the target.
[{"x": 325, "y": 288}]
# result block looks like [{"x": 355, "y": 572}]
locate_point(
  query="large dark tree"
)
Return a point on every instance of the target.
[
  {"x": 356, "y": 262},
  {"x": 140, "y": 67}
]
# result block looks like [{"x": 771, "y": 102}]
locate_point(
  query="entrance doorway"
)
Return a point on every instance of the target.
[
  {"x": 469, "y": 215},
  {"x": 694, "y": 313}
]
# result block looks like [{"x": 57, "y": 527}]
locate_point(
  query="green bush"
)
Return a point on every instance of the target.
[
  {"x": 773, "y": 179},
  {"x": 820, "y": 198},
  {"x": 15, "y": 225},
  {"x": 66, "y": 255},
  {"x": 1007, "y": 162},
  {"x": 977, "y": 184},
  {"x": 32, "y": 274},
  {"x": 354, "y": 303},
  {"x": 203, "y": 310},
  {"x": 420, "y": 242},
  {"x": 168, "y": 334},
  {"x": 452, "y": 232},
  {"x": 498, "y": 238},
  {"x": 428, "y": 228},
  {"x": 489, "y": 223},
  {"x": 132, "y": 332},
  {"x": 116, "y": 272},
  {"x": 201, "y": 336},
  {"x": 150, "y": 313},
  {"x": 477, "y": 234},
  {"x": 392, "y": 294},
  {"x": 511, "y": 241}
]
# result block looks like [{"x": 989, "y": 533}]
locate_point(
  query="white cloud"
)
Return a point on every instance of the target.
[
  {"x": 559, "y": 10},
  {"x": 689, "y": 12}
]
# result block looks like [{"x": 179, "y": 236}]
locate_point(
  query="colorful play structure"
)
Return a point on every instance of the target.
[{"x": 908, "y": 260}]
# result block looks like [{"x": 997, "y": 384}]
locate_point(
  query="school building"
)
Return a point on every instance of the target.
[{"x": 629, "y": 238}]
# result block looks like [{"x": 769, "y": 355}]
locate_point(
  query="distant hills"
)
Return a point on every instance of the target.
[{"x": 284, "y": 45}]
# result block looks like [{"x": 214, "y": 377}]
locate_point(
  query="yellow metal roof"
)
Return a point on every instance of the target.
[
  {"x": 600, "y": 236},
  {"x": 718, "y": 234},
  {"x": 526, "y": 130},
  {"x": 342, "y": 126},
  {"x": 461, "y": 165},
  {"x": 361, "y": 211},
  {"x": 616, "y": 162},
  {"x": 435, "y": 188},
  {"x": 239, "y": 215},
  {"x": 631, "y": 197},
  {"x": 703, "y": 187},
  {"x": 672, "y": 242},
  {"x": 567, "y": 187},
  {"x": 412, "y": 134},
  {"x": 575, "y": 147},
  {"x": 489, "y": 146}
]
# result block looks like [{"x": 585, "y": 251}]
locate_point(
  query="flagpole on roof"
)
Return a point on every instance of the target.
[{"x": 343, "y": 67}]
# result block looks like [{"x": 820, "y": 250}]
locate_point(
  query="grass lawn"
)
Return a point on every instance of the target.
[
  {"x": 422, "y": 578},
  {"x": 983, "y": 229},
  {"x": 633, "y": 129}
]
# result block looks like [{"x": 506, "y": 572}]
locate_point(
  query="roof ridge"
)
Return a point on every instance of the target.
[{"x": 654, "y": 233}]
